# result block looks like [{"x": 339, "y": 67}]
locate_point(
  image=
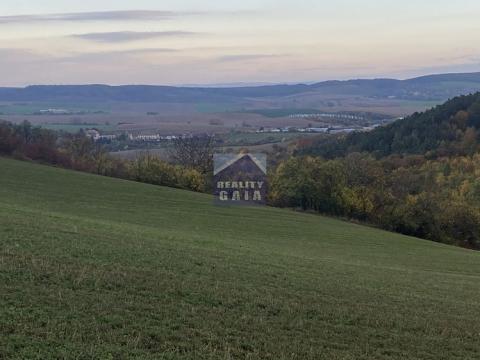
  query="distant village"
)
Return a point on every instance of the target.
[
  {"x": 348, "y": 123},
  {"x": 54, "y": 111},
  {"x": 325, "y": 130},
  {"x": 328, "y": 115},
  {"x": 95, "y": 134}
]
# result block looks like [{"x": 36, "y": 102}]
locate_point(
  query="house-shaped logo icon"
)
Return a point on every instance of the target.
[{"x": 240, "y": 178}]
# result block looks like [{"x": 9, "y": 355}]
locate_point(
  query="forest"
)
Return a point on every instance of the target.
[
  {"x": 446, "y": 130},
  {"x": 431, "y": 199},
  {"x": 418, "y": 176}
]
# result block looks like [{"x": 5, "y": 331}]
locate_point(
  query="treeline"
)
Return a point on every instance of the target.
[
  {"x": 78, "y": 152},
  {"x": 450, "y": 129},
  {"x": 431, "y": 199}
]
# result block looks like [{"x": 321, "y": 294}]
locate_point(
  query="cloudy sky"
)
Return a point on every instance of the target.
[{"x": 249, "y": 41}]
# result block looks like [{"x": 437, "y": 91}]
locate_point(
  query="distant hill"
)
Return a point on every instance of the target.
[
  {"x": 434, "y": 87},
  {"x": 95, "y": 267},
  {"x": 451, "y": 128}
]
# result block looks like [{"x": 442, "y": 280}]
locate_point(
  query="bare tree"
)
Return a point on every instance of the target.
[{"x": 194, "y": 152}]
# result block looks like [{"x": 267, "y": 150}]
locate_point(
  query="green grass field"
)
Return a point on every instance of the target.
[
  {"x": 273, "y": 113},
  {"x": 30, "y": 108},
  {"x": 100, "y": 268}
]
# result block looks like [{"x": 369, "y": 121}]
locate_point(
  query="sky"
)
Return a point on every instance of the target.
[{"x": 179, "y": 42}]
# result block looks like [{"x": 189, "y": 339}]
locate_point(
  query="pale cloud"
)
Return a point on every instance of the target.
[
  {"x": 113, "y": 55},
  {"x": 119, "y": 15},
  {"x": 128, "y": 36},
  {"x": 124, "y": 15},
  {"x": 20, "y": 56},
  {"x": 247, "y": 57}
]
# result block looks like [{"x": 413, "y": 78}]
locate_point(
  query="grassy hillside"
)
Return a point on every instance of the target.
[{"x": 93, "y": 267}]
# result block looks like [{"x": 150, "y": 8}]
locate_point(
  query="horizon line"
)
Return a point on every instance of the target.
[{"x": 248, "y": 83}]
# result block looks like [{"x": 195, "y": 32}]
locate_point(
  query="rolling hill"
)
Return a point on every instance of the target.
[
  {"x": 94, "y": 267},
  {"x": 427, "y": 88}
]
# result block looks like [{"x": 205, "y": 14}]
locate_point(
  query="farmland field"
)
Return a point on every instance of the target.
[
  {"x": 75, "y": 128},
  {"x": 169, "y": 118},
  {"x": 31, "y": 108},
  {"x": 94, "y": 267}
]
